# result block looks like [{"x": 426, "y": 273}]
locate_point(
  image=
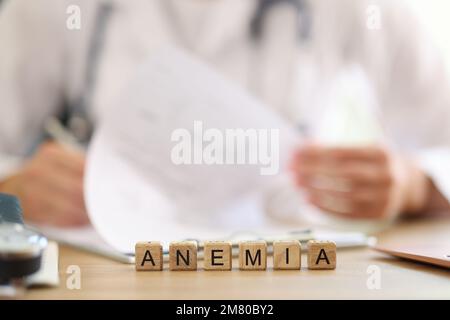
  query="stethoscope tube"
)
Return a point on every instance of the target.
[
  {"x": 265, "y": 6},
  {"x": 78, "y": 121}
]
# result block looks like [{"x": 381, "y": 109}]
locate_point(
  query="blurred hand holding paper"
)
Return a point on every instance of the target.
[
  {"x": 133, "y": 188},
  {"x": 350, "y": 119}
]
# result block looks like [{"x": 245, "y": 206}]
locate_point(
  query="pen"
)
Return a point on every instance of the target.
[{"x": 56, "y": 130}]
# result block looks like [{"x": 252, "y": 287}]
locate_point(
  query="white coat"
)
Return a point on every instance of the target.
[{"x": 42, "y": 64}]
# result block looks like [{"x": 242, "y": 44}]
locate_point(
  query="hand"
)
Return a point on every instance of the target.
[
  {"x": 50, "y": 187},
  {"x": 360, "y": 182}
]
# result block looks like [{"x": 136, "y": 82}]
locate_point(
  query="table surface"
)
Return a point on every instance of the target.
[{"x": 105, "y": 279}]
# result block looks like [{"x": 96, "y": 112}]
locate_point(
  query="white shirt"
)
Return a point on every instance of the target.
[{"x": 42, "y": 63}]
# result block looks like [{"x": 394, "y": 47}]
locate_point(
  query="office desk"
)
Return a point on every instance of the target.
[{"x": 105, "y": 279}]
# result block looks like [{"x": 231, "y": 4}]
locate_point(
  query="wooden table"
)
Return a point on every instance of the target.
[{"x": 105, "y": 279}]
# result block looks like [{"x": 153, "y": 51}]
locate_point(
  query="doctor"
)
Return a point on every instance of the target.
[{"x": 283, "y": 51}]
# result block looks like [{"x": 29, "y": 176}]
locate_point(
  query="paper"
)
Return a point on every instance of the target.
[
  {"x": 350, "y": 117},
  {"x": 48, "y": 274},
  {"x": 87, "y": 239},
  {"x": 133, "y": 189}
]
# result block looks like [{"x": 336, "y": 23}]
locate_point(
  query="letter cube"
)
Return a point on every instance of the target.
[
  {"x": 287, "y": 255},
  {"x": 183, "y": 255},
  {"x": 217, "y": 255},
  {"x": 148, "y": 256},
  {"x": 253, "y": 255},
  {"x": 321, "y": 254}
]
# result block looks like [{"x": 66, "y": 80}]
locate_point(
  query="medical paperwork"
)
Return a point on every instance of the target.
[{"x": 133, "y": 189}]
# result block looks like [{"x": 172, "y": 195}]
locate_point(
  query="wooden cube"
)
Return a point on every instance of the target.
[
  {"x": 253, "y": 255},
  {"x": 183, "y": 256},
  {"x": 217, "y": 255},
  {"x": 321, "y": 255},
  {"x": 149, "y": 256},
  {"x": 287, "y": 255}
]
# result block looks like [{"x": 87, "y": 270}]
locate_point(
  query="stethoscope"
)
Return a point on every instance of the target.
[
  {"x": 76, "y": 116},
  {"x": 264, "y": 7}
]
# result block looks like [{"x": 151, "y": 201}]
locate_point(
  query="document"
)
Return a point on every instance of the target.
[
  {"x": 134, "y": 188},
  {"x": 137, "y": 189}
]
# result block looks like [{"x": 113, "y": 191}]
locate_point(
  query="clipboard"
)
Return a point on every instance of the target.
[{"x": 343, "y": 240}]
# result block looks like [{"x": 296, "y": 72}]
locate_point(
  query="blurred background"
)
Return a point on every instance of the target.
[
  {"x": 373, "y": 100},
  {"x": 435, "y": 17}
]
